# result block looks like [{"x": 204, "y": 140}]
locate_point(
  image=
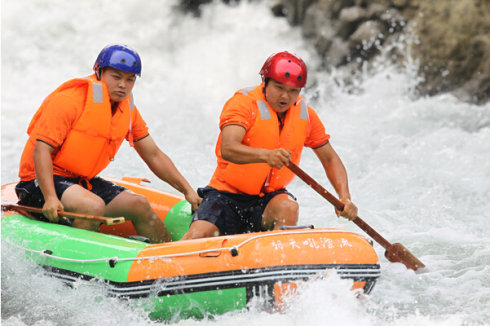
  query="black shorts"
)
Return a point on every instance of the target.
[
  {"x": 30, "y": 194},
  {"x": 233, "y": 213}
]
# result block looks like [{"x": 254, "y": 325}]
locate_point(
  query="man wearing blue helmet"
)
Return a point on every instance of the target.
[{"x": 76, "y": 133}]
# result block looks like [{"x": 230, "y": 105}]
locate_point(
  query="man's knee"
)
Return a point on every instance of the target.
[
  {"x": 98, "y": 207},
  {"x": 201, "y": 229},
  {"x": 290, "y": 206},
  {"x": 281, "y": 210},
  {"x": 139, "y": 205},
  {"x": 284, "y": 205}
]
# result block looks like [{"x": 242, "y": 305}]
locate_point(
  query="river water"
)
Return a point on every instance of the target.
[{"x": 419, "y": 168}]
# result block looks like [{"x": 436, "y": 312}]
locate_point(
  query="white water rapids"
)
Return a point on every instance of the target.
[{"x": 419, "y": 168}]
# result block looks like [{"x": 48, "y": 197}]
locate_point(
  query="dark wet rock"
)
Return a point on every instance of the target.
[
  {"x": 454, "y": 48},
  {"x": 338, "y": 53},
  {"x": 192, "y": 6},
  {"x": 368, "y": 32},
  {"x": 449, "y": 39}
]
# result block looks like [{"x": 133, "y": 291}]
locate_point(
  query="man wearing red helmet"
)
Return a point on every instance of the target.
[{"x": 263, "y": 128}]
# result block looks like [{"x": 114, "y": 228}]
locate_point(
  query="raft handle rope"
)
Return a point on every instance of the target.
[
  {"x": 296, "y": 227},
  {"x": 114, "y": 260}
]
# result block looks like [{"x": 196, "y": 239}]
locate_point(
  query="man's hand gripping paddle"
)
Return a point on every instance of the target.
[{"x": 395, "y": 253}]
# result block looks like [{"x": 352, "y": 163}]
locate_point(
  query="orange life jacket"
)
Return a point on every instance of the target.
[
  {"x": 258, "y": 178},
  {"x": 95, "y": 137}
]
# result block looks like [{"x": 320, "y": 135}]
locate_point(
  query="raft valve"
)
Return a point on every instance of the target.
[{"x": 112, "y": 262}]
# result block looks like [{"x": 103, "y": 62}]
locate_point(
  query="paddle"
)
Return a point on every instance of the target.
[
  {"x": 105, "y": 220},
  {"x": 395, "y": 253}
]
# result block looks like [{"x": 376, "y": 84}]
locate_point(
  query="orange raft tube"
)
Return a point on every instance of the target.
[{"x": 192, "y": 278}]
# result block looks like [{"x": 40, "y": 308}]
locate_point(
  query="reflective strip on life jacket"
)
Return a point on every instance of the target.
[
  {"x": 247, "y": 90},
  {"x": 304, "y": 110},
  {"x": 264, "y": 110},
  {"x": 97, "y": 92}
]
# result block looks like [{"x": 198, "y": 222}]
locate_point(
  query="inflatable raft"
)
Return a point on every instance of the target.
[{"x": 192, "y": 278}]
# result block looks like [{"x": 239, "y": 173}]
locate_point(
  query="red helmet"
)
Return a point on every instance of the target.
[{"x": 285, "y": 68}]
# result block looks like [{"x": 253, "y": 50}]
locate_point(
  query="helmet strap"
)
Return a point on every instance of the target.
[
  {"x": 266, "y": 81},
  {"x": 98, "y": 73}
]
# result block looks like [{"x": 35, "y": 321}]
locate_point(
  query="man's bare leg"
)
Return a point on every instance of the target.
[
  {"x": 281, "y": 210},
  {"x": 201, "y": 229},
  {"x": 137, "y": 209},
  {"x": 79, "y": 200}
]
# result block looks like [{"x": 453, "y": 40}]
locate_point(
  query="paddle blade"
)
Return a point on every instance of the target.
[{"x": 397, "y": 253}]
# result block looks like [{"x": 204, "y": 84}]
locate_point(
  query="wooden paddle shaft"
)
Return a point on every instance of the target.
[
  {"x": 337, "y": 203},
  {"x": 103, "y": 219}
]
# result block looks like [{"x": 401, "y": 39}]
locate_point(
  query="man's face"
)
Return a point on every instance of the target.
[
  {"x": 281, "y": 96},
  {"x": 120, "y": 83}
]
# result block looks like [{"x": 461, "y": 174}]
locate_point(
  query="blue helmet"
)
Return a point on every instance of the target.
[{"x": 119, "y": 57}]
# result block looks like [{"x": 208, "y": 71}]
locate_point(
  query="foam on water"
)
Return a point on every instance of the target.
[{"x": 418, "y": 168}]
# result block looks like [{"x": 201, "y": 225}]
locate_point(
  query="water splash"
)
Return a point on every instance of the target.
[{"x": 418, "y": 167}]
